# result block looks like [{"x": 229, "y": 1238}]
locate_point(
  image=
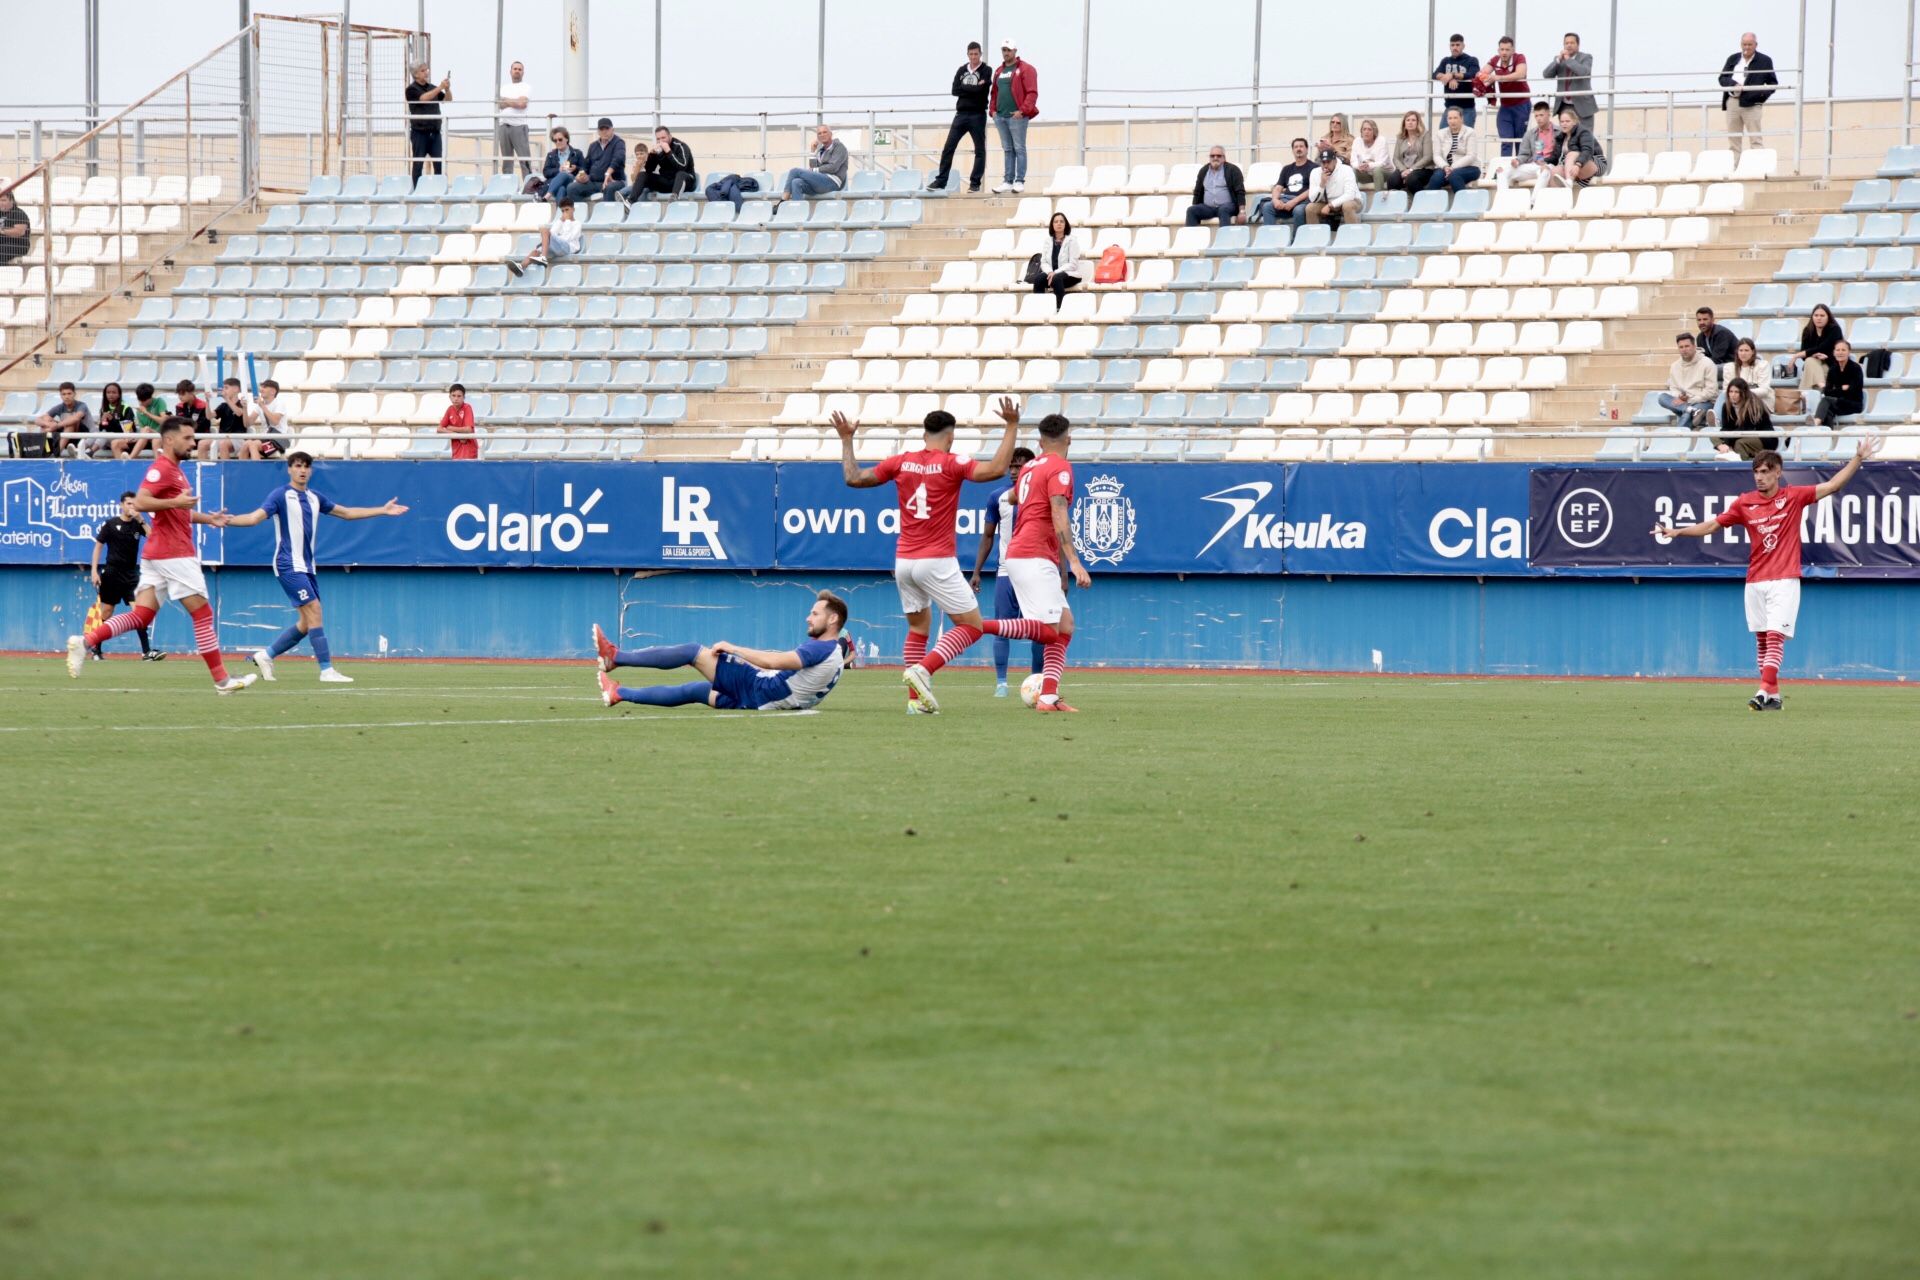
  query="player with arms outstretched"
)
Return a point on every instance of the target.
[
  {"x": 734, "y": 677},
  {"x": 169, "y": 563},
  {"x": 926, "y": 567},
  {"x": 295, "y": 509},
  {"x": 1771, "y": 515},
  {"x": 1041, "y": 556}
]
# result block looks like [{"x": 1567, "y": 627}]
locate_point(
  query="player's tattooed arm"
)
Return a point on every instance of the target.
[
  {"x": 850, "y": 468},
  {"x": 1869, "y": 445},
  {"x": 1063, "y": 530},
  {"x": 1002, "y": 460}
]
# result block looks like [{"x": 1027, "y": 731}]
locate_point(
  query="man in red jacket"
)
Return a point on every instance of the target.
[{"x": 1013, "y": 101}]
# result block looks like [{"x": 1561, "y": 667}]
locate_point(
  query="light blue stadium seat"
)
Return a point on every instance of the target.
[
  {"x": 1315, "y": 237},
  {"x": 515, "y": 372},
  {"x": 549, "y": 407},
  {"x": 674, "y": 309},
  {"x": 677, "y": 246},
  {"x": 595, "y": 340},
  {"x": 1869, "y": 195},
  {"x": 336, "y": 311},
  {"x": 282, "y": 217},
  {"x": 627, "y": 406},
  {"x": 826, "y": 212},
  {"x": 712, "y": 277},
  {"x": 294, "y": 343},
  {"x": 1193, "y": 273},
  {"x": 261, "y": 310},
  {"x": 709, "y": 339},
  {"x": 1668, "y": 444},
  {"x": 866, "y": 182},
  {"x": 1117, "y": 340},
  {"x": 1427, "y": 205},
  {"x": 790, "y": 308},
  {"x": 1868, "y": 332},
  {"x": 1318, "y": 304},
  {"x": 592, "y": 373},
  {"x": 752, "y": 246},
  {"x": 1433, "y": 237},
  {"x": 1386, "y": 206},
  {"x": 750, "y": 277},
  {"x": 1857, "y": 297},
  {"x": 669, "y": 375},
  {"x": 1912, "y": 235},
  {"x": 607, "y": 213},
  {"x": 500, "y": 186},
  {"x": 632, "y": 341},
  {"x": 1619, "y": 446},
  {"x": 1195, "y": 307},
  {"x": 1650, "y": 413},
  {"x": 1118, "y": 375},
  {"x": 904, "y": 212},
  {"x": 1766, "y": 299},
  {"x": 393, "y": 187},
  {"x": 1078, "y": 374},
  {"x": 789, "y": 244},
  {"x": 269, "y": 279},
  {"x": 324, "y": 186},
  {"x": 644, "y": 216},
  {"x": 431, "y": 186},
  {"x": 1352, "y": 237},
  {"x": 449, "y": 342},
  {"x": 1469, "y": 204},
  {"x": 240, "y": 248},
  {"x": 864, "y": 213},
  {"x": 1901, "y": 162},
  {"x": 1272, "y": 238},
  {"x": 1891, "y": 262},
  {"x": 1125, "y": 443},
  {"x": 1229, "y": 241},
  {"x": 598, "y": 308},
  {"x": 716, "y": 215},
  {"x": 1166, "y": 444},
  {"x": 1324, "y": 339},
  {"x": 1233, "y": 273},
  {"x": 1354, "y": 273},
  {"x": 158, "y": 311},
  {"x": 1282, "y": 339},
  {"x": 1800, "y": 264},
  {"x": 1155, "y": 306},
  {"x": 589, "y": 408},
  {"x": 865, "y": 244},
  {"x": 108, "y": 342},
  {"x": 643, "y": 244},
  {"x": 707, "y": 375},
  {"x": 665, "y": 410},
  {"x": 679, "y": 214},
  {"x": 906, "y": 180},
  {"x": 405, "y": 342},
  {"x": 715, "y": 245},
  {"x": 1158, "y": 340},
  {"x": 1779, "y": 334},
  {"x": 1901, "y": 298},
  {"x": 747, "y": 342},
  {"x": 1836, "y": 228},
  {"x": 361, "y": 217},
  {"x": 1809, "y": 295},
  {"x": 198, "y": 279},
  {"x": 362, "y": 375},
  {"x": 1888, "y": 407},
  {"x": 1393, "y": 237},
  {"x": 1396, "y": 271},
  {"x": 1286, "y": 373},
  {"x": 1906, "y": 196},
  {"x": 626, "y": 444},
  {"x": 1880, "y": 228}
]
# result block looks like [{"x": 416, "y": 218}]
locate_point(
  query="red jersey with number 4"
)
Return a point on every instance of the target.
[
  {"x": 1047, "y": 477},
  {"x": 172, "y": 537},
  {"x": 1773, "y": 524},
  {"x": 929, "y": 484}
]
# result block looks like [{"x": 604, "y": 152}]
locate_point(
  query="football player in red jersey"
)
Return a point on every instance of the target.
[
  {"x": 926, "y": 566},
  {"x": 169, "y": 563},
  {"x": 1041, "y": 555},
  {"x": 1771, "y": 515}
]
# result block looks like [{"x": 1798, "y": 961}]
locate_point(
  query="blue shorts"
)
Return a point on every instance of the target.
[
  {"x": 737, "y": 685},
  {"x": 301, "y": 588},
  {"x": 1005, "y": 603}
]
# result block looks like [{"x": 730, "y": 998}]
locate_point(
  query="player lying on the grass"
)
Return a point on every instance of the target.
[
  {"x": 1771, "y": 515},
  {"x": 295, "y": 510},
  {"x": 169, "y": 563},
  {"x": 734, "y": 676},
  {"x": 926, "y": 567}
]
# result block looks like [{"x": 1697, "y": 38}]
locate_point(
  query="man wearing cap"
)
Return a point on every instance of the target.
[
  {"x": 970, "y": 85},
  {"x": 1333, "y": 193},
  {"x": 1013, "y": 100},
  {"x": 606, "y": 171},
  {"x": 1219, "y": 192}
]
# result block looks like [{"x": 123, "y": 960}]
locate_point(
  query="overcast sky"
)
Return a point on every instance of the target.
[{"x": 761, "y": 48}]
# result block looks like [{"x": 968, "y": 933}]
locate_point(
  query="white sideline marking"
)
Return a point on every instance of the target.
[{"x": 405, "y": 724}]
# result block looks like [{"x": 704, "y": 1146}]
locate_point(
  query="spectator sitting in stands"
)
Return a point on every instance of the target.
[
  {"x": 826, "y": 170},
  {"x": 1372, "y": 157},
  {"x": 1060, "y": 265},
  {"x": 149, "y": 411},
  {"x": 116, "y": 418},
  {"x": 1219, "y": 192},
  {"x": 1749, "y": 368},
  {"x": 558, "y": 239},
  {"x": 1692, "y": 383},
  {"x": 16, "y": 230},
  {"x": 1412, "y": 159},
  {"x": 1333, "y": 196},
  {"x": 187, "y": 404},
  {"x": 1846, "y": 391},
  {"x": 1577, "y": 158},
  {"x": 66, "y": 417},
  {"x": 229, "y": 419},
  {"x": 669, "y": 169},
  {"x": 457, "y": 422},
  {"x": 1536, "y": 153},
  {"x": 1818, "y": 337},
  {"x": 1455, "y": 74},
  {"x": 1716, "y": 341},
  {"x": 1337, "y": 139},
  {"x": 606, "y": 170},
  {"x": 1743, "y": 411},
  {"x": 563, "y": 162},
  {"x": 1456, "y": 166},
  {"x": 1290, "y": 192},
  {"x": 1574, "y": 70},
  {"x": 1508, "y": 93},
  {"x": 265, "y": 416}
]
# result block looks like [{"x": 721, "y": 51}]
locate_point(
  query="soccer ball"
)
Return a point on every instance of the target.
[{"x": 1030, "y": 689}]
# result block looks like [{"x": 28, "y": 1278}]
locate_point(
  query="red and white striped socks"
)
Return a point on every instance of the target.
[
  {"x": 1052, "y": 664},
  {"x": 135, "y": 619},
  {"x": 209, "y": 643},
  {"x": 953, "y": 643},
  {"x": 913, "y": 653},
  {"x": 1773, "y": 647},
  {"x": 1020, "y": 629}
]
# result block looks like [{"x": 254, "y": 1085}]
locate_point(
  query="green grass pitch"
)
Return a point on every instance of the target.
[{"x": 455, "y": 973}]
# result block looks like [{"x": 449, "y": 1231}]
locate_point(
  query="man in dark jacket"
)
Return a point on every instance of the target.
[
  {"x": 563, "y": 163},
  {"x": 606, "y": 170},
  {"x": 970, "y": 84},
  {"x": 1716, "y": 341},
  {"x": 1219, "y": 192},
  {"x": 669, "y": 169},
  {"x": 1748, "y": 80}
]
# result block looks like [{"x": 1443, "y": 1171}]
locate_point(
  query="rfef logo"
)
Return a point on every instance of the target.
[
  {"x": 1584, "y": 517},
  {"x": 683, "y": 513}
]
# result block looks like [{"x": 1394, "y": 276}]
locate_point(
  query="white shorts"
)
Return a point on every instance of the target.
[
  {"x": 937, "y": 581},
  {"x": 1773, "y": 606},
  {"x": 1036, "y": 585},
  {"x": 174, "y": 579}
]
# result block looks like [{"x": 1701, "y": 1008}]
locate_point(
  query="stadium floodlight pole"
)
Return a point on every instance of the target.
[
  {"x": 1253, "y": 140},
  {"x": 1513, "y": 18},
  {"x": 659, "y": 37},
  {"x": 499, "y": 50},
  {"x": 1426, "y": 76},
  {"x": 986, "y": 25},
  {"x": 1800, "y": 90},
  {"x": 573, "y": 64},
  {"x": 1086, "y": 28},
  {"x": 93, "y": 85},
  {"x": 820, "y": 70},
  {"x": 1833, "y": 99},
  {"x": 1613, "y": 61},
  {"x": 346, "y": 28},
  {"x": 1906, "y": 60}
]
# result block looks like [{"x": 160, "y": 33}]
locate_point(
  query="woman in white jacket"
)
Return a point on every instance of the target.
[
  {"x": 1060, "y": 265},
  {"x": 1372, "y": 157},
  {"x": 1750, "y": 368}
]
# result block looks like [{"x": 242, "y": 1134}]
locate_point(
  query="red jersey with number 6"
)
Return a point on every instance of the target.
[
  {"x": 172, "y": 537},
  {"x": 1047, "y": 477},
  {"x": 929, "y": 483},
  {"x": 1773, "y": 524}
]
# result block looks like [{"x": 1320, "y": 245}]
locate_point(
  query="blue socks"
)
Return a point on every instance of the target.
[
  {"x": 321, "y": 651},
  {"x": 1001, "y": 648},
  {"x": 288, "y": 639},
  {"x": 663, "y": 657},
  {"x": 667, "y": 695}
]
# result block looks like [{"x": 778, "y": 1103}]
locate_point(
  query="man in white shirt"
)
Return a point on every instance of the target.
[
  {"x": 510, "y": 135},
  {"x": 1333, "y": 194},
  {"x": 558, "y": 239}
]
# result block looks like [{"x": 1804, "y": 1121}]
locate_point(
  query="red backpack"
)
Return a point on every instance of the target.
[{"x": 1113, "y": 266}]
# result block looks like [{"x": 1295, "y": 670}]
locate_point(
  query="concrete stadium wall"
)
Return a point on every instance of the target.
[{"x": 1848, "y": 630}]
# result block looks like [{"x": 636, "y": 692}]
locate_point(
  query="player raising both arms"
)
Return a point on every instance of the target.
[
  {"x": 1041, "y": 555},
  {"x": 169, "y": 563},
  {"x": 1772, "y": 517},
  {"x": 736, "y": 678},
  {"x": 926, "y": 567},
  {"x": 295, "y": 510}
]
